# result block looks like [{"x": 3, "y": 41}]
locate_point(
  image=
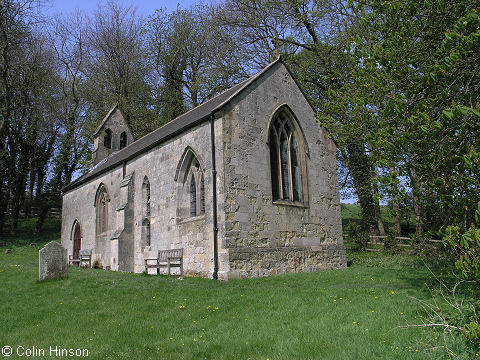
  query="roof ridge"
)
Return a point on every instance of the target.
[
  {"x": 172, "y": 128},
  {"x": 105, "y": 119}
]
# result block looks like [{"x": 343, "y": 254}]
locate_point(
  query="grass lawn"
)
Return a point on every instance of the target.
[{"x": 353, "y": 313}]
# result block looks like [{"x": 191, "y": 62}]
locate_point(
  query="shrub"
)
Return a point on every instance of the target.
[
  {"x": 471, "y": 332},
  {"x": 466, "y": 248},
  {"x": 357, "y": 235},
  {"x": 390, "y": 241}
]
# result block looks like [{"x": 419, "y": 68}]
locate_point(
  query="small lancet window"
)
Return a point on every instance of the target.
[
  {"x": 146, "y": 232},
  {"x": 146, "y": 196},
  {"x": 284, "y": 159},
  {"x": 107, "y": 140},
  {"x": 101, "y": 205},
  {"x": 123, "y": 140}
]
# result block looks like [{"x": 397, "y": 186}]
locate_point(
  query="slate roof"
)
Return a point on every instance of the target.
[{"x": 173, "y": 128}]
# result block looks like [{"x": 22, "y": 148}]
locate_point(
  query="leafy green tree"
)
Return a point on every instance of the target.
[
  {"x": 417, "y": 76},
  {"x": 194, "y": 58},
  {"x": 466, "y": 247},
  {"x": 313, "y": 37}
]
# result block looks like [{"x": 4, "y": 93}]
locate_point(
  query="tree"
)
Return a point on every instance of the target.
[
  {"x": 26, "y": 85},
  {"x": 311, "y": 36},
  {"x": 419, "y": 84},
  {"x": 117, "y": 70},
  {"x": 194, "y": 58}
]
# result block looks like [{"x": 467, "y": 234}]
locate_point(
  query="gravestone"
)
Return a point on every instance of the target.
[{"x": 52, "y": 262}]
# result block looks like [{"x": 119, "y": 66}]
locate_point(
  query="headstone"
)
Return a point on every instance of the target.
[{"x": 52, "y": 262}]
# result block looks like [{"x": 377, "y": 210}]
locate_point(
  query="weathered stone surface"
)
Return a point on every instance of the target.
[
  {"x": 52, "y": 262},
  {"x": 256, "y": 236}
]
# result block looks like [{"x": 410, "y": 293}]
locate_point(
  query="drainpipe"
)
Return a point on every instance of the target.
[{"x": 214, "y": 199}]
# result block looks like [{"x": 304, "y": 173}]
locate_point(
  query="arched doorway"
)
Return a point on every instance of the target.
[{"x": 77, "y": 240}]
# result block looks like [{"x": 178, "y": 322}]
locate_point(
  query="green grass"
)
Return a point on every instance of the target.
[{"x": 354, "y": 313}]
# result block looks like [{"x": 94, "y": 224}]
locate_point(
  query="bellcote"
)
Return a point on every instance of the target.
[{"x": 113, "y": 134}]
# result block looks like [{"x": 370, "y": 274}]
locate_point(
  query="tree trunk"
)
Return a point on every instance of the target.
[
  {"x": 419, "y": 228},
  {"x": 396, "y": 206},
  {"x": 360, "y": 169}
]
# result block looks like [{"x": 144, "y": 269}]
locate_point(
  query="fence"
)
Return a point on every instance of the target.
[
  {"x": 53, "y": 213},
  {"x": 401, "y": 241}
]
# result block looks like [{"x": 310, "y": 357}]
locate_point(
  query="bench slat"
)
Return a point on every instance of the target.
[{"x": 168, "y": 259}]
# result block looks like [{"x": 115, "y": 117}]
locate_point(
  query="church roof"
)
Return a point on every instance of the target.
[{"x": 173, "y": 128}]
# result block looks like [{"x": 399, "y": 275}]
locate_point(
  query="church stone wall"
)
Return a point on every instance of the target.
[
  {"x": 263, "y": 238},
  {"x": 168, "y": 231},
  {"x": 256, "y": 237},
  {"x": 78, "y": 205}
]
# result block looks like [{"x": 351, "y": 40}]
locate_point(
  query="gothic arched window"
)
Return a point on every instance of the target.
[
  {"x": 146, "y": 196},
  {"x": 190, "y": 186},
  {"x": 123, "y": 140},
  {"x": 107, "y": 140},
  {"x": 285, "y": 159},
  {"x": 101, "y": 209}
]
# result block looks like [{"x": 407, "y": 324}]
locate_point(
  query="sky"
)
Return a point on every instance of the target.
[{"x": 144, "y": 7}]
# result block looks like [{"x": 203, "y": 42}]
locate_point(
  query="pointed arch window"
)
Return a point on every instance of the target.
[
  {"x": 285, "y": 158},
  {"x": 190, "y": 186},
  {"x": 123, "y": 140},
  {"x": 146, "y": 196},
  {"x": 101, "y": 208},
  {"x": 107, "y": 139}
]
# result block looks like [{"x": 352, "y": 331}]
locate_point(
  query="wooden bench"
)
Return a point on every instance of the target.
[
  {"x": 84, "y": 256},
  {"x": 166, "y": 259}
]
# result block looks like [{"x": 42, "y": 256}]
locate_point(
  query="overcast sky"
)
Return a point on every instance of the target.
[{"x": 144, "y": 7}]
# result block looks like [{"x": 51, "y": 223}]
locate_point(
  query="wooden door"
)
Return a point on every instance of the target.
[{"x": 77, "y": 241}]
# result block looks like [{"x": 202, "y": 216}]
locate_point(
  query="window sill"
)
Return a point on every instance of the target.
[
  {"x": 191, "y": 219},
  {"x": 297, "y": 204}
]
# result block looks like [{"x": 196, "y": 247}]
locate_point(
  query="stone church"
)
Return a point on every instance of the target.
[{"x": 246, "y": 184}]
